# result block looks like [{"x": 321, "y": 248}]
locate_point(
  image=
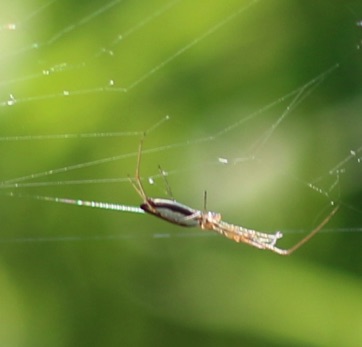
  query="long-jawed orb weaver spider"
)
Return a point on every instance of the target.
[{"x": 176, "y": 213}]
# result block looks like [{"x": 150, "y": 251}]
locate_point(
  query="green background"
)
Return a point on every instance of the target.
[{"x": 72, "y": 276}]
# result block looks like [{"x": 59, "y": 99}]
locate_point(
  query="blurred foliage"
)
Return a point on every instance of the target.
[{"x": 75, "y": 276}]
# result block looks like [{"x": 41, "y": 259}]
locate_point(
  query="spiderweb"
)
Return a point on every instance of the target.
[{"x": 99, "y": 97}]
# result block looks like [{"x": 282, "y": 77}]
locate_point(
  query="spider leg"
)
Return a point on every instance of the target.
[
  {"x": 137, "y": 183},
  {"x": 168, "y": 187},
  {"x": 305, "y": 239}
]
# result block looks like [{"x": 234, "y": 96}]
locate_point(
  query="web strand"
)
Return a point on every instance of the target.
[{"x": 296, "y": 95}]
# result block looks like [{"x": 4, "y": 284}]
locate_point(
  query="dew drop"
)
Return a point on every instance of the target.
[
  {"x": 223, "y": 160},
  {"x": 11, "y": 100}
]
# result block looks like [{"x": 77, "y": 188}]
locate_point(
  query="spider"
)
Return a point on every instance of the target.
[{"x": 176, "y": 213}]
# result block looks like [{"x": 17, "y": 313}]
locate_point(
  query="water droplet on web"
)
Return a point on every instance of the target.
[
  {"x": 223, "y": 161},
  {"x": 11, "y": 100},
  {"x": 9, "y": 26}
]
